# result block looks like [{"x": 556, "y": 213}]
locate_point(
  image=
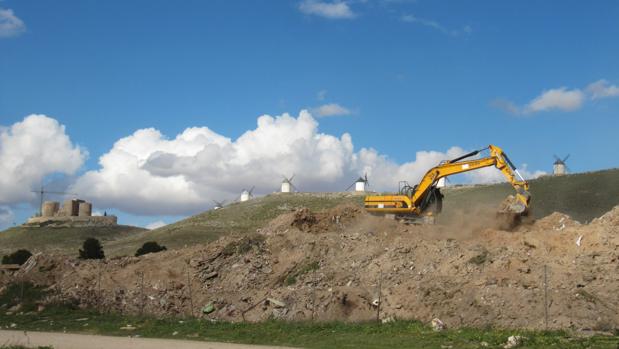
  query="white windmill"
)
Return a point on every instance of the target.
[
  {"x": 287, "y": 186},
  {"x": 559, "y": 167},
  {"x": 246, "y": 194},
  {"x": 360, "y": 184}
]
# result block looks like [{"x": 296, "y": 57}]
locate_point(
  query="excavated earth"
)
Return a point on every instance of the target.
[{"x": 343, "y": 264}]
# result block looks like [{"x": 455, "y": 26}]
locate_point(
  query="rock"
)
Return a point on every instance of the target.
[
  {"x": 484, "y": 344},
  {"x": 276, "y": 303},
  {"x": 13, "y": 325},
  {"x": 388, "y": 320},
  {"x": 40, "y": 308},
  {"x": 375, "y": 302},
  {"x": 174, "y": 333},
  {"x": 128, "y": 328},
  {"x": 211, "y": 275},
  {"x": 15, "y": 308},
  {"x": 280, "y": 313},
  {"x": 209, "y": 308},
  {"x": 437, "y": 325},
  {"x": 513, "y": 342}
]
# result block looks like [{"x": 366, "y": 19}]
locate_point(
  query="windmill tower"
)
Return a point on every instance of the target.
[
  {"x": 360, "y": 184},
  {"x": 559, "y": 168},
  {"x": 246, "y": 194},
  {"x": 287, "y": 186}
]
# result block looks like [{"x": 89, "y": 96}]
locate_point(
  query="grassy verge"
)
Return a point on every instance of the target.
[{"x": 398, "y": 334}]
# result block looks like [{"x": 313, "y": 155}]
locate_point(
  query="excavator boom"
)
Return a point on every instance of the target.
[{"x": 425, "y": 198}]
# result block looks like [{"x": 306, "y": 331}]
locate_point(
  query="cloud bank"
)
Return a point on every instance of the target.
[
  {"x": 561, "y": 99},
  {"x": 147, "y": 173}
]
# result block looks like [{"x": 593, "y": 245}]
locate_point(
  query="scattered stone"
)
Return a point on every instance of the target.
[
  {"x": 276, "y": 303},
  {"x": 437, "y": 325},
  {"x": 128, "y": 328},
  {"x": 513, "y": 342},
  {"x": 209, "y": 308},
  {"x": 211, "y": 275},
  {"x": 388, "y": 320}
]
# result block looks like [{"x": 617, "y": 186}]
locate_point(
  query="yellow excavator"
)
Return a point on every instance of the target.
[{"x": 422, "y": 202}]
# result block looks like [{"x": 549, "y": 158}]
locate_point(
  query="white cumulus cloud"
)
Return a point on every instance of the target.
[
  {"x": 10, "y": 24},
  {"x": 602, "y": 89},
  {"x": 559, "y": 98},
  {"x": 30, "y": 150},
  {"x": 332, "y": 10},
  {"x": 331, "y": 109},
  {"x": 147, "y": 173}
]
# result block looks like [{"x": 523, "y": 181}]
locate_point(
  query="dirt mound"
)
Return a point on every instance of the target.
[{"x": 337, "y": 264}]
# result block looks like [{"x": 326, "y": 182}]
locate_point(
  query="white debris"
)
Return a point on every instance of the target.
[
  {"x": 578, "y": 241},
  {"x": 513, "y": 341},
  {"x": 438, "y": 325}
]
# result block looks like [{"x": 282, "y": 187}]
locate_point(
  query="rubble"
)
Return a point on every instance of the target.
[
  {"x": 336, "y": 264},
  {"x": 437, "y": 325},
  {"x": 513, "y": 342}
]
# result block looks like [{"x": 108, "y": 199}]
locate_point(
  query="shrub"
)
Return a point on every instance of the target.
[
  {"x": 149, "y": 247},
  {"x": 92, "y": 249},
  {"x": 18, "y": 257}
]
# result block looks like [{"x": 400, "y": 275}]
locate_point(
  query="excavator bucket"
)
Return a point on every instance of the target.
[{"x": 510, "y": 212}]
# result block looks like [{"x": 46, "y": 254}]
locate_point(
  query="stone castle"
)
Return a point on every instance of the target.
[{"x": 73, "y": 213}]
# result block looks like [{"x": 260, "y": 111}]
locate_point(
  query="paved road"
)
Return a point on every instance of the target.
[{"x": 85, "y": 341}]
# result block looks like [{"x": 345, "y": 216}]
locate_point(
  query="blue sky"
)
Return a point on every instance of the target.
[{"x": 406, "y": 76}]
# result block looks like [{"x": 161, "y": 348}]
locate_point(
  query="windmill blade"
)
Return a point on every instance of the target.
[
  {"x": 291, "y": 178},
  {"x": 294, "y": 188},
  {"x": 565, "y": 159},
  {"x": 350, "y": 186},
  {"x": 556, "y": 157},
  {"x": 251, "y": 190}
]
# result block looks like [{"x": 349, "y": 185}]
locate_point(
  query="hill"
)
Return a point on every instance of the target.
[
  {"x": 582, "y": 196},
  {"x": 60, "y": 240}
]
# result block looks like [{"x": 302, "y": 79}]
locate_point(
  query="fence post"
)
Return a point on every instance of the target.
[
  {"x": 314, "y": 295},
  {"x": 546, "y": 296},
  {"x": 189, "y": 289},
  {"x": 380, "y": 286}
]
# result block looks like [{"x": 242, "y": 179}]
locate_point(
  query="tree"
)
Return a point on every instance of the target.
[
  {"x": 92, "y": 249},
  {"x": 149, "y": 247},
  {"x": 18, "y": 257}
]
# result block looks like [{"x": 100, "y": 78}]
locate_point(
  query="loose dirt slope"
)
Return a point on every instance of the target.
[
  {"x": 582, "y": 196},
  {"x": 331, "y": 264}
]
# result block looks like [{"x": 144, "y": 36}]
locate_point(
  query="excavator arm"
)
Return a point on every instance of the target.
[{"x": 416, "y": 200}]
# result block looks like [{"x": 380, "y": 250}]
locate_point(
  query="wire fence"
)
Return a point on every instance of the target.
[{"x": 543, "y": 299}]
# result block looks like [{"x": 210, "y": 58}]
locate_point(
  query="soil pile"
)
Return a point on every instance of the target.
[{"x": 343, "y": 264}]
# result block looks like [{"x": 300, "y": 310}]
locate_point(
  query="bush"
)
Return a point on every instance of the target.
[
  {"x": 92, "y": 249},
  {"x": 18, "y": 257},
  {"x": 149, "y": 247}
]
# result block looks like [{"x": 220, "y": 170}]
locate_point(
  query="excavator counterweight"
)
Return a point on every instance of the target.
[{"x": 425, "y": 199}]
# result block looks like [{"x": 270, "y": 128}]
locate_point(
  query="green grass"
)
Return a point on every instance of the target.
[
  {"x": 397, "y": 334},
  {"x": 61, "y": 240}
]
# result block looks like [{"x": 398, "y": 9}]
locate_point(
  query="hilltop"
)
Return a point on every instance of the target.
[{"x": 582, "y": 196}]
